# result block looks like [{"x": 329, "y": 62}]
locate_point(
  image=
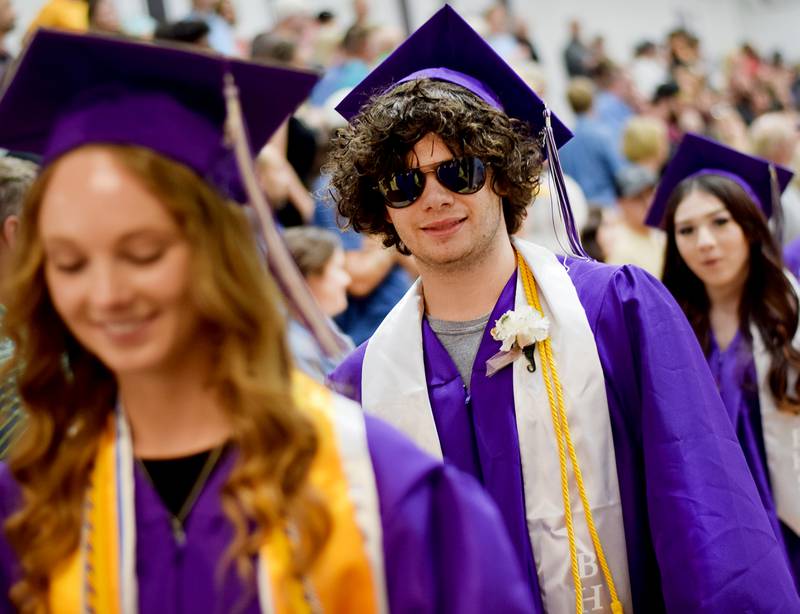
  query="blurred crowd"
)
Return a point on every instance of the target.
[{"x": 630, "y": 113}]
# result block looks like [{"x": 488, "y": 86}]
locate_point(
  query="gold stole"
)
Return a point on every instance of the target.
[{"x": 341, "y": 578}]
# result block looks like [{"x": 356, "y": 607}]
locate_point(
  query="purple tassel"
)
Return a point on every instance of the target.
[
  {"x": 565, "y": 209},
  {"x": 301, "y": 303}
]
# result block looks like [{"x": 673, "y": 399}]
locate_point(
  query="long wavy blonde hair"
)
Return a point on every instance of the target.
[{"x": 68, "y": 393}]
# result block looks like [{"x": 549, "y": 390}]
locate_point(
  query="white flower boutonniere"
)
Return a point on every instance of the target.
[{"x": 519, "y": 331}]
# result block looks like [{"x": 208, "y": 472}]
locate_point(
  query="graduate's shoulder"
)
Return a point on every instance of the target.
[
  {"x": 599, "y": 285},
  {"x": 346, "y": 377}
]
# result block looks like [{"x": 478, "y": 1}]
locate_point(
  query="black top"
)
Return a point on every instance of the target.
[{"x": 174, "y": 478}]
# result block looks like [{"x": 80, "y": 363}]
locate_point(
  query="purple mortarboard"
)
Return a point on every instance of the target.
[
  {"x": 446, "y": 48},
  {"x": 697, "y": 155},
  {"x": 206, "y": 111},
  {"x": 69, "y": 90}
]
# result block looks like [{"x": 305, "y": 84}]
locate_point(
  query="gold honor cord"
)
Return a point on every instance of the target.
[{"x": 558, "y": 412}]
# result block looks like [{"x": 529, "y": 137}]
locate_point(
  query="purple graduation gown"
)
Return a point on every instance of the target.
[
  {"x": 791, "y": 257},
  {"x": 444, "y": 546},
  {"x": 698, "y": 539},
  {"x": 734, "y": 369}
]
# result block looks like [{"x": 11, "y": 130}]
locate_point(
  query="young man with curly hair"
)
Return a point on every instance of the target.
[{"x": 598, "y": 431}]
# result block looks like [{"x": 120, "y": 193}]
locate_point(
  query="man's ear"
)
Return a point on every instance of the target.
[{"x": 10, "y": 228}]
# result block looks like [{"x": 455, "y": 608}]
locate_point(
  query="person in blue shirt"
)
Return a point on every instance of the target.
[
  {"x": 591, "y": 157},
  {"x": 220, "y": 29}
]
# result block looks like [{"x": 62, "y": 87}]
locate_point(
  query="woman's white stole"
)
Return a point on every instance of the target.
[
  {"x": 394, "y": 388},
  {"x": 781, "y": 433}
]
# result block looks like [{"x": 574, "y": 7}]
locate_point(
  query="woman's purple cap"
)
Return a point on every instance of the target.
[
  {"x": 697, "y": 155},
  {"x": 447, "y": 48},
  {"x": 69, "y": 90}
]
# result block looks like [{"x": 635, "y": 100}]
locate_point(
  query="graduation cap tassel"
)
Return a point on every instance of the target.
[
  {"x": 280, "y": 261},
  {"x": 777, "y": 210},
  {"x": 561, "y": 189}
]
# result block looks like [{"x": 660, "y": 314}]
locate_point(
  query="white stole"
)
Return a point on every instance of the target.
[
  {"x": 394, "y": 388},
  {"x": 781, "y": 433}
]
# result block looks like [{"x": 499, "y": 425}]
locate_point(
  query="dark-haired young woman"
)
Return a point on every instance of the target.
[{"x": 725, "y": 270}]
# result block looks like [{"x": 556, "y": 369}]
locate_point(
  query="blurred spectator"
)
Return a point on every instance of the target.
[
  {"x": 543, "y": 224},
  {"x": 286, "y": 193},
  {"x": 8, "y": 21},
  {"x": 63, "y": 14},
  {"x": 356, "y": 56},
  {"x": 275, "y": 48},
  {"x": 499, "y": 35},
  {"x": 385, "y": 39},
  {"x": 188, "y": 31},
  {"x": 592, "y": 157},
  {"x": 379, "y": 276},
  {"x": 286, "y": 165},
  {"x": 774, "y": 136},
  {"x": 592, "y": 234},
  {"x": 319, "y": 256},
  {"x": 627, "y": 240},
  {"x": 220, "y": 18},
  {"x": 519, "y": 29},
  {"x": 667, "y": 106},
  {"x": 103, "y": 17},
  {"x": 16, "y": 177},
  {"x": 294, "y": 21},
  {"x": 326, "y": 40},
  {"x": 648, "y": 69},
  {"x": 682, "y": 47},
  {"x": 578, "y": 57},
  {"x": 361, "y": 12},
  {"x": 614, "y": 98},
  {"x": 645, "y": 143},
  {"x": 728, "y": 127}
]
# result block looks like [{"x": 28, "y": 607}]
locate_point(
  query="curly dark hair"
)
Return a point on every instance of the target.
[
  {"x": 378, "y": 141},
  {"x": 767, "y": 300}
]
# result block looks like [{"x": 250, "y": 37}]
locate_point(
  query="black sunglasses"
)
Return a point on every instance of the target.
[{"x": 460, "y": 175}]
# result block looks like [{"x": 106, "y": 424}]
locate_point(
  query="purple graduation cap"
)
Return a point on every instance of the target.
[
  {"x": 448, "y": 49},
  {"x": 69, "y": 90},
  {"x": 762, "y": 180},
  {"x": 206, "y": 111}
]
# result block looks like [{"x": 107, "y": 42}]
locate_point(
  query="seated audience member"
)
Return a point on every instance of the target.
[
  {"x": 543, "y": 224},
  {"x": 188, "y": 31},
  {"x": 774, "y": 137},
  {"x": 16, "y": 177},
  {"x": 319, "y": 255},
  {"x": 8, "y": 21},
  {"x": 380, "y": 276},
  {"x": 627, "y": 239},
  {"x": 103, "y": 17},
  {"x": 614, "y": 98},
  {"x": 285, "y": 165},
  {"x": 645, "y": 142},
  {"x": 220, "y": 19},
  {"x": 62, "y": 14},
  {"x": 357, "y": 53},
  {"x": 648, "y": 69},
  {"x": 591, "y": 157}
]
